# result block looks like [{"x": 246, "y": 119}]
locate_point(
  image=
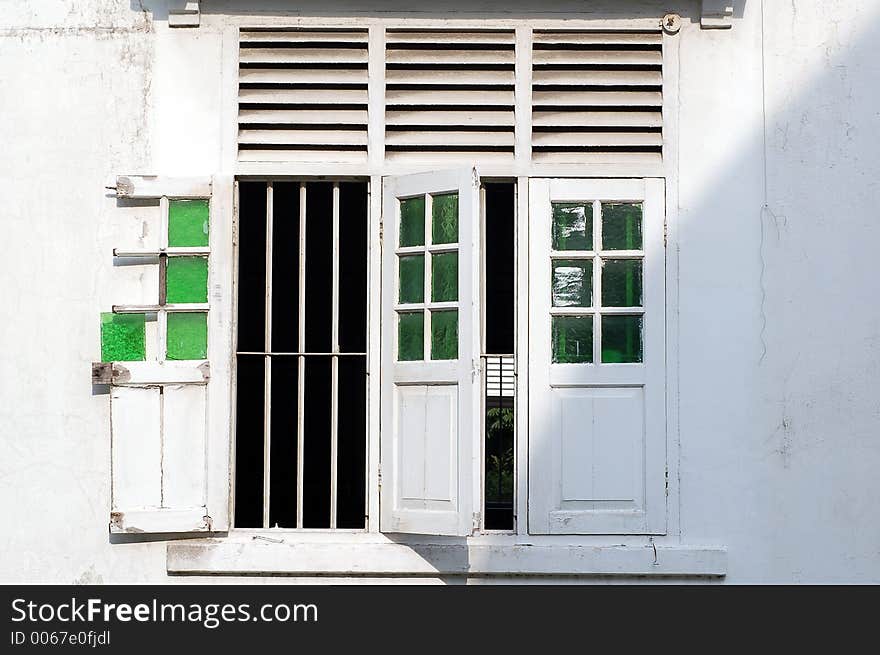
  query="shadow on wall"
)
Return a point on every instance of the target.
[{"x": 790, "y": 428}]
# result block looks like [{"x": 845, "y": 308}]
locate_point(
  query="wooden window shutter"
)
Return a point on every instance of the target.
[
  {"x": 302, "y": 95},
  {"x": 169, "y": 394},
  {"x": 430, "y": 349},
  {"x": 597, "y": 97}
]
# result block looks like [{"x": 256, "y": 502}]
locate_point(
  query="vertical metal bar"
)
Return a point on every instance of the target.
[
  {"x": 334, "y": 371},
  {"x": 267, "y": 362},
  {"x": 162, "y": 315},
  {"x": 301, "y": 361}
]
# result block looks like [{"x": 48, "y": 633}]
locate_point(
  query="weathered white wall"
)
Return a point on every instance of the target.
[{"x": 779, "y": 324}]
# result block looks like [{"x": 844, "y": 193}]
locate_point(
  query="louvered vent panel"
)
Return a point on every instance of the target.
[
  {"x": 597, "y": 97},
  {"x": 302, "y": 95},
  {"x": 449, "y": 94}
]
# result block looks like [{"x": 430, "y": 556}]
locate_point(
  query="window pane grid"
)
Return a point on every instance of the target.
[
  {"x": 427, "y": 277},
  {"x": 602, "y": 282}
]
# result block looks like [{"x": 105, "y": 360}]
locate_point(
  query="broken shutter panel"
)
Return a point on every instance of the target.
[
  {"x": 430, "y": 345},
  {"x": 169, "y": 393}
]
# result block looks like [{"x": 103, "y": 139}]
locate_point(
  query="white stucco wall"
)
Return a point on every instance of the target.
[{"x": 779, "y": 325}]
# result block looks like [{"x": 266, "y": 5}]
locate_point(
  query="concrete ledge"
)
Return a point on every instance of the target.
[{"x": 260, "y": 557}]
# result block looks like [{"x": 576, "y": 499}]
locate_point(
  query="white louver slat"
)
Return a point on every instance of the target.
[
  {"x": 450, "y": 96},
  {"x": 597, "y": 97},
  {"x": 449, "y": 93},
  {"x": 303, "y": 95}
]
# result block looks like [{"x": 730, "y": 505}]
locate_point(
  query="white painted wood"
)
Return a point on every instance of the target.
[
  {"x": 471, "y": 56},
  {"x": 324, "y": 76},
  {"x": 170, "y": 421},
  {"x": 135, "y": 428},
  {"x": 152, "y": 187},
  {"x": 166, "y": 372},
  {"x": 344, "y": 558},
  {"x": 463, "y": 76},
  {"x": 374, "y": 342},
  {"x": 596, "y": 139},
  {"x": 579, "y": 98},
  {"x": 326, "y": 95},
  {"x": 598, "y": 77},
  {"x": 617, "y": 57},
  {"x": 303, "y": 36},
  {"x": 303, "y": 55},
  {"x": 403, "y": 116},
  {"x": 165, "y": 521},
  {"x": 451, "y": 36},
  {"x": 184, "y": 446},
  {"x": 430, "y": 424},
  {"x": 294, "y": 116},
  {"x": 599, "y": 38},
  {"x": 546, "y": 117},
  {"x": 147, "y": 309},
  {"x": 447, "y": 96},
  {"x": 220, "y": 353},
  {"x": 303, "y": 137},
  {"x": 470, "y": 138},
  {"x": 597, "y": 455}
]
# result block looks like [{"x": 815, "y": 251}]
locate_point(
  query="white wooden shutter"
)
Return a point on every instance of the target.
[
  {"x": 170, "y": 417},
  {"x": 303, "y": 95},
  {"x": 597, "y": 430},
  {"x": 430, "y": 422},
  {"x": 597, "y": 97},
  {"x": 449, "y": 95}
]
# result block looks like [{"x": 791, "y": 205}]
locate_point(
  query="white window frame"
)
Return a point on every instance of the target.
[{"x": 254, "y": 551}]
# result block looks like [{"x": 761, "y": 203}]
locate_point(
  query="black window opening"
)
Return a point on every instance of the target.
[
  {"x": 498, "y": 356},
  {"x": 301, "y": 406}
]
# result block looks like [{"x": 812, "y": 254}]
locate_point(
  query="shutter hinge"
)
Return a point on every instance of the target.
[
  {"x": 381, "y": 231},
  {"x": 380, "y": 476},
  {"x": 476, "y": 522},
  {"x": 665, "y": 232},
  {"x": 667, "y": 480}
]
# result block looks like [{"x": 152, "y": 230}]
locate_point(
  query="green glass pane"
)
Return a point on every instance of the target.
[
  {"x": 412, "y": 221},
  {"x": 412, "y": 279},
  {"x": 621, "y": 226},
  {"x": 572, "y": 339},
  {"x": 123, "y": 337},
  {"x": 572, "y": 282},
  {"x": 444, "y": 218},
  {"x": 188, "y": 223},
  {"x": 622, "y": 283},
  {"x": 621, "y": 339},
  {"x": 444, "y": 334},
  {"x": 410, "y": 336},
  {"x": 186, "y": 280},
  {"x": 572, "y": 227},
  {"x": 187, "y": 335},
  {"x": 444, "y": 277}
]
